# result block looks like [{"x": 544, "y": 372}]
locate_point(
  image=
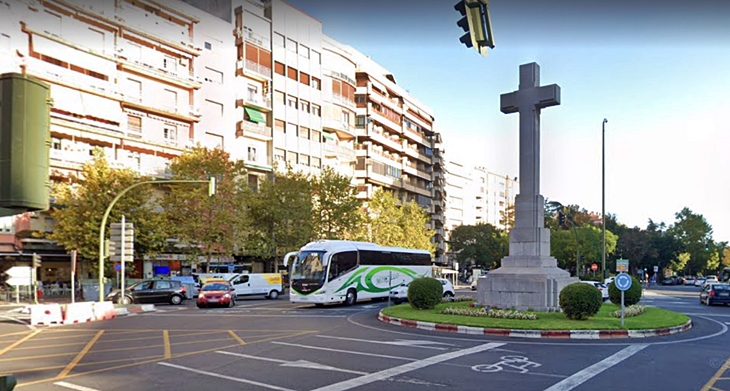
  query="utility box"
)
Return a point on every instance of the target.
[{"x": 25, "y": 141}]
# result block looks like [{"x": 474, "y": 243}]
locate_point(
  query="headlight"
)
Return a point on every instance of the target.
[
  {"x": 323, "y": 292},
  {"x": 227, "y": 296},
  {"x": 201, "y": 296}
]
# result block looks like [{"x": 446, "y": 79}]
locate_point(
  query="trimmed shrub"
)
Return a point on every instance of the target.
[
  {"x": 580, "y": 301},
  {"x": 631, "y": 296},
  {"x": 425, "y": 293}
]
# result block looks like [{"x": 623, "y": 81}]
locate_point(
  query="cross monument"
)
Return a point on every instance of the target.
[{"x": 529, "y": 276}]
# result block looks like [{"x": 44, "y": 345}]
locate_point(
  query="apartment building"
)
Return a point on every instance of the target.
[
  {"x": 125, "y": 77},
  {"x": 494, "y": 197}
]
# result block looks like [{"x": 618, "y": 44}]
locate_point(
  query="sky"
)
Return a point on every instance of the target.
[{"x": 658, "y": 71}]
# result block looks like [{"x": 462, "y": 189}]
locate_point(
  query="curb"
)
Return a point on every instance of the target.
[
  {"x": 516, "y": 333},
  {"x": 134, "y": 309}
]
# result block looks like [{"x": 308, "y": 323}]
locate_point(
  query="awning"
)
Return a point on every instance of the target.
[
  {"x": 255, "y": 115},
  {"x": 329, "y": 136}
]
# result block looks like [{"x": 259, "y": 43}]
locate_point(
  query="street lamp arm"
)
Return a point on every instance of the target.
[{"x": 102, "y": 227}]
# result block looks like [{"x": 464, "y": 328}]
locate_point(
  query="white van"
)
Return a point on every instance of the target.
[{"x": 268, "y": 284}]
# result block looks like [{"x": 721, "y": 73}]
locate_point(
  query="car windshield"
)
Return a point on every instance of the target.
[{"x": 215, "y": 287}]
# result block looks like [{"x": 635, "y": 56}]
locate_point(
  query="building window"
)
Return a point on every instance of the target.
[
  {"x": 169, "y": 133},
  {"x": 316, "y": 110},
  {"x": 303, "y": 51},
  {"x": 252, "y": 154},
  {"x": 304, "y": 132},
  {"x": 7, "y": 224},
  {"x": 316, "y": 57},
  {"x": 253, "y": 92},
  {"x": 304, "y": 105},
  {"x": 304, "y": 160},
  {"x": 278, "y": 39},
  {"x": 291, "y": 129},
  {"x": 315, "y": 136},
  {"x": 291, "y": 157},
  {"x": 279, "y": 155},
  {"x": 169, "y": 64},
  {"x": 208, "y": 46},
  {"x": 279, "y": 125},
  {"x": 346, "y": 117},
  {"x": 304, "y": 78},
  {"x": 360, "y": 121},
  {"x": 170, "y": 101},
  {"x": 291, "y": 102},
  {"x": 316, "y": 162},
  {"x": 279, "y": 97},
  {"x": 135, "y": 88},
  {"x": 291, "y": 73},
  {"x": 253, "y": 181},
  {"x": 213, "y": 76},
  {"x": 291, "y": 45},
  {"x": 316, "y": 84},
  {"x": 279, "y": 68},
  {"x": 134, "y": 125}
]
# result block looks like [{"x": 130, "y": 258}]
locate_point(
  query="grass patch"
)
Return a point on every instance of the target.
[{"x": 652, "y": 318}]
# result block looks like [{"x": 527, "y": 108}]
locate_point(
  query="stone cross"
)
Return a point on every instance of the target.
[{"x": 528, "y": 100}]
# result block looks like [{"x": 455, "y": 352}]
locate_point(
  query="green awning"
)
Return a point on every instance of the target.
[
  {"x": 255, "y": 115},
  {"x": 329, "y": 136}
]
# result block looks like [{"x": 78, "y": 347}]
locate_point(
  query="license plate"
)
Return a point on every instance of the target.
[
  {"x": 724, "y": 294},
  {"x": 213, "y": 300}
]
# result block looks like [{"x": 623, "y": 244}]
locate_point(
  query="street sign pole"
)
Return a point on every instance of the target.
[
  {"x": 73, "y": 276},
  {"x": 623, "y": 282},
  {"x": 622, "y": 309},
  {"x": 124, "y": 228}
]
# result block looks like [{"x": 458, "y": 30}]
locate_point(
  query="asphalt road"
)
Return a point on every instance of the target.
[{"x": 276, "y": 345}]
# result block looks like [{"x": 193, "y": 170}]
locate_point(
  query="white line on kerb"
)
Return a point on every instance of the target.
[
  {"x": 399, "y": 370},
  {"x": 586, "y": 374},
  {"x": 73, "y": 386},
  {"x": 239, "y": 380}
]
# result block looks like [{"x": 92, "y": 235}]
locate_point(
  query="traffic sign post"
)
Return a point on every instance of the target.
[
  {"x": 622, "y": 265},
  {"x": 623, "y": 283},
  {"x": 19, "y": 276},
  {"x": 231, "y": 268},
  {"x": 122, "y": 249}
]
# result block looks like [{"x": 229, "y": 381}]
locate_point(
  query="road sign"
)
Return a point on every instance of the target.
[
  {"x": 656, "y": 269},
  {"x": 122, "y": 238},
  {"x": 231, "y": 267},
  {"x": 15, "y": 281},
  {"x": 19, "y": 272},
  {"x": 118, "y": 267},
  {"x": 623, "y": 282},
  {"x": 594, "y": 267},
  {"x": 622, "y": 265}
]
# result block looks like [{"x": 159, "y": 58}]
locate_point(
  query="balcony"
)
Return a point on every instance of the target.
[
  {"x": 343, "y": 129},
  {"x": 134, "y": 131},
  {"x": 253, "y": 70},
  {"x": 185, "y": 114},
  {"x": 253, "y": 130},
  {"x": 338, "y": 151},
  {"x": 339, "y": 99},
  {"x": 72, "y": 79},
  {"x": 391, "y": 141},
  {"x": 252, "y": 38},
  {"x": 256, "y": 101},
  {"x": 139, "y": 66},
  {"x": 68, "y": 159}
]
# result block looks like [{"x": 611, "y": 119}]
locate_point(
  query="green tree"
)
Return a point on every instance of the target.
[
  {"x": 482, "y": 243},
  {"x": 694, "y": 234},
  {"x": 680, "y": 262},
  {"x": 508, "y": 218},
  {"x": 414, "y": 223},
  {"x": 80, "y": 203},
  {"x": 206, "y": 225},
  {"x": 336, "y": 209},
  {"x": 725, "y": 261},
  {"x": 280, "y": 215},
  {"x": 393, "y": 224}
]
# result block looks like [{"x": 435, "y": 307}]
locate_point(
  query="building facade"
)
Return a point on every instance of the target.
[{"x": 144, "y": 79}]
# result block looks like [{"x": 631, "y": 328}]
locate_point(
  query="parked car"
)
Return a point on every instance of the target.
[
  {"x": 710, "y": 280},
  {"x": 215, "y": 294},
  {"x": 673, "y": 280},
  {"x": 700, "y": 281},
  {"x": 150, "y": 292},
  {"x": 603, "y": 288},
  {"x": 689, "y": 280},
  {"x": 715, "y": 294},
  {"x": 400, "y": 294},
  {"x": 609, "y": 280}
]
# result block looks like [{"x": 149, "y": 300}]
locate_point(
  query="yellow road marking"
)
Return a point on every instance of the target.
[
  {"x": 15, "y": 333},
  {"x": 153, "y": 360},
  {"x": 18, "y": 359},
  {"x": 723, "y": 378},
  {"x": 79, "y": 356},
  {"x": 716, "y": 376},
  {"x": 18, "y": 342},
  {"x": 166, "y": 339},
  {"x": 236, "y": 337},
  {"x": 152, "y": 337},
  {"x": 44, "y": 347}
]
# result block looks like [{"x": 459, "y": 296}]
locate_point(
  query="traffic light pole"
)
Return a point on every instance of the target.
[{"x": 102, "y": 227}]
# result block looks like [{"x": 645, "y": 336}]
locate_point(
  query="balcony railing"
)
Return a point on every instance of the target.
[
  {"x": 344, "y": 101},
  {"x": 256, "y": 100},
  {"x": 134, "y": 131},
  {"x": 338, "y": 150},
  {"x": 249, "y": 66},
  {"x": 247, "y": 128}
]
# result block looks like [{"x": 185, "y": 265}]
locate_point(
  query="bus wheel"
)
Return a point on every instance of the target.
[{"x": 351, "y": 297}]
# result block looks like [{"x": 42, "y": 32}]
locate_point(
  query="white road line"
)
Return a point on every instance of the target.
[
  {"x": 235, "y": 379},
  {"x": 409, "y": 343},
  {"x": 297, "y": 364},
  {"x": 399, "y": 370},
  {"x": 344, "y": 351},
  {"x": 73, "y": 386},
  {"x": 586, "y": 374}
]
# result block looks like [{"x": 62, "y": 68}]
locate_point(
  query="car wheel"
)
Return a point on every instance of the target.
[
  {"x": 396, "y": 301},
  {"x": 351, "y": 297},
  {"x": 199, "y": 305},
  {"x": 273, "y": 295},
  {"x": 127, "y": 300},
  {"x": 449, "y": 295},
  {"x": 176, "y": 300},
  {"x": 231, "y": 304}
]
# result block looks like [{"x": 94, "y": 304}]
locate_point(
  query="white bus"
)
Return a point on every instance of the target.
[{"x": 340, "y": 271}]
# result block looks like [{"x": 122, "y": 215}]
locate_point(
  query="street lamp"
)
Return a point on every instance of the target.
[
  {"x": 603, "y": 199},
  {"x": 102, "y": 228}
]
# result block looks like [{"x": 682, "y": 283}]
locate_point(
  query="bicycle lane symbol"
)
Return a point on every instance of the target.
[{"x": 518, "y": 364}]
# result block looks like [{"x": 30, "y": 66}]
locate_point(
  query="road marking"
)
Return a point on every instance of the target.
[
  {"x": 405, "y": 368},
  {"x": 296, "y": 364},
  {"x": 343, "y": 351},
  {"x": 166, "y": 342},
  {"x": 236, "y": 337},
  {"x": 73, "y": 386},
  {"x": 79, "y": 356},
  {"x": 236, "y": 379},
  {"x": 18, "y": 342},
  {"x": 402, "y": 342},
  {"x": 716, "y": 376},
  {"x": 586, "y": 374}
]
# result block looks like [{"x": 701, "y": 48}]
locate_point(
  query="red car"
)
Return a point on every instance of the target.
[{"x": 216, "y": 293}]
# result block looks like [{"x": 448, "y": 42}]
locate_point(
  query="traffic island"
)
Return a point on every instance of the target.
[
  {"x": 123, "y": 310},
  {"x": 651, "y": 323}
]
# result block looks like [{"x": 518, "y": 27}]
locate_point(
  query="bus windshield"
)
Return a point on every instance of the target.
[{"x": 308, "y": 271}]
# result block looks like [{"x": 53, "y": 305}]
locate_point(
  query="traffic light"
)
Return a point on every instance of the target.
[
  {"x": 707, "y": 246},
  {"x": 561, "y": 218},
  {"x": 477, "y": 24},
  {"x": 36, "y": 260}
]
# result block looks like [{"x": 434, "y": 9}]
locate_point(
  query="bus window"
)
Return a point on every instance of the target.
[
  {"x": 341, "y": 263},
  {"x": 377, "y": 258}
]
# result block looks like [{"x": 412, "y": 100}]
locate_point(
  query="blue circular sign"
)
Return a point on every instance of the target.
[
  {"x": 623, "y": 282},
  {"x": 117, "y": 267}
]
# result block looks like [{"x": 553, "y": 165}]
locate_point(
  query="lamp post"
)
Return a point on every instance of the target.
[
  {"x": 102, "y": 227},
  {"x": 603, "y": 199}
]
